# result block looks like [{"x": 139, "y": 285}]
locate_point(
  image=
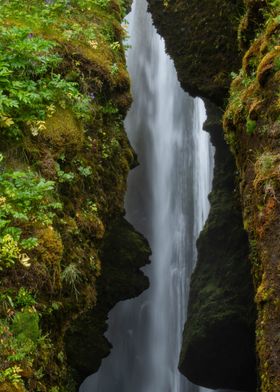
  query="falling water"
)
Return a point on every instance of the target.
[{"x": 167, "y": 202}]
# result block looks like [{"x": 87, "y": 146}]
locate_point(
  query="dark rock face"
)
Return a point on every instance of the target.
[
  {"x": 218, "y": 343},
  {"x": 219, "y": 339},
  {"x": 200, "y": 37},
  {"x": 124, "y": 252},
  {"x": 253, "y": 130}
]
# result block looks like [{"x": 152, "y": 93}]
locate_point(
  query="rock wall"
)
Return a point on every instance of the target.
[
  {"x": 252, "y": 128},
  {"x": 66, "y": 253},
  {"x": 124, "y": 252},
  {"x": 200, "y": 37},
  {"x": 207, "y": 42},
  {"x": 218, "y": 341}
]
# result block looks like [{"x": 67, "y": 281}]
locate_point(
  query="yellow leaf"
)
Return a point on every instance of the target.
[
  {"x": 7, "y": 121},
  {"x": 24, "y": 260}
]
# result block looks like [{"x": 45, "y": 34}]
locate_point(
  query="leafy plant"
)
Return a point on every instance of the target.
[
  {"x": 277, "y": 63},
  {"x": 24, "y": 298},
  {"x": 11, "y": 374},
  {"x": 20, "y": 337},
  {"x": 114, "y": 68},
  {"x": 29, "y": 85},
  {"x": 101, "y": 3},
  {"x": 64, "y": 176},
  {"x": 26, "y": 199},
  {"x": 85, "y": 171}
]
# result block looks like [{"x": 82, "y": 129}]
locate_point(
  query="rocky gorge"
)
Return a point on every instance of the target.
[{"x": 67, "y": 253}]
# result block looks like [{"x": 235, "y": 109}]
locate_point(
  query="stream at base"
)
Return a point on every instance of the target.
[{"x": 167, "y": 202}]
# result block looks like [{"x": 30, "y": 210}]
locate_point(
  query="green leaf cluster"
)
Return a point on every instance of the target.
[
  {"x": 29, "y": 83},
  {"x": 26, "y": 198}
]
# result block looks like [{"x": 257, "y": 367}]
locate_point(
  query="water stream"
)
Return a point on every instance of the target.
[{"x": 167, "y": 202}]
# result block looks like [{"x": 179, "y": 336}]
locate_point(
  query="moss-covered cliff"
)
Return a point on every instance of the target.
[
  {"x": 218, "y": 342},
  {"x": 251, "y": 124},
  {"x": 64, "y": 245},
  {"x": 200, "y": 37}
]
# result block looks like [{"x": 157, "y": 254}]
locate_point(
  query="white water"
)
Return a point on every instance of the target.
[{"x": 167, "y": 202}]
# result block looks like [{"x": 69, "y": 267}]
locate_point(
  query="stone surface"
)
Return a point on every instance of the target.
[{"x": 124, "y": 252}]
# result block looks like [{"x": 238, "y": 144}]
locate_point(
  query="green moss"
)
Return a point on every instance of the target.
[
  {"x": 72, "y": 134},
  {"x": 124, "y": 251},
  {"x": 257, "y": 155},
  {"x": 9, "y": 387},
  {"x": 63, "y": 132},
  {"x": 250, "y": 126},
  {"x": 220, "y": 326},
  {"x": 210, "y": 30}
]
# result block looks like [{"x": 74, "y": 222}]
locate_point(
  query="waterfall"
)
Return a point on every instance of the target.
[{"x": 167, "y": 202}]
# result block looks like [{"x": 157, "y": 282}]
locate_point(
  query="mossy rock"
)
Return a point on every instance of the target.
[
  {"x": 124, "y": 252},
  {"x": 266, "y": 66},
  {"x": 9, "y": 387},
  {"x": 63, "y": 132},
  {"x": 203, "y": 45},
  {"x": 49, "y": 254},
  {"x": 218, "y": 349}
]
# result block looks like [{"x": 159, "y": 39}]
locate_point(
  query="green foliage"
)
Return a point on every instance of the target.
[
  {"x": 53, "y": 56},
  {"x": 11, "y": 374},
  {"x": 115, "y": 46},
  {"x": 54, "y": 389},
  {"x": 9, "y": 251},
  {"x": 250, "y": 126},
  {"x": 64, "y": 176},
  {"x": 92, "y": 206},
  {"x": 24, "y": 298},
  {"x": 26, "y": 198},
  {"x": 20, "y": 337},
  {"x": 101, "y": 3},
  {"x": 74, "y": 31},
  {"x": 28, "y": 83},
  {"x": 109, "y": 108},
  {"x": 25, "y": 325},
  {"x": 114, "y": 69},
  {"x": 267, "y": 162},
  {"x": 275, "y": 3},
  {"x": 277, "y": 63},
  {"x": 85, "y": 171}
]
